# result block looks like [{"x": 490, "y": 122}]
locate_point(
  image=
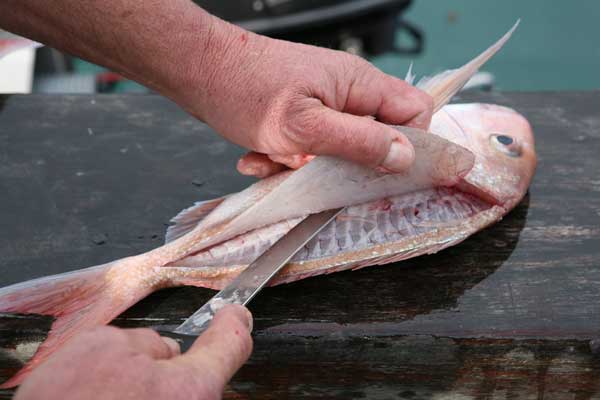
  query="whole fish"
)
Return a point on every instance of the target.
[{"x": 473, "y": 169}]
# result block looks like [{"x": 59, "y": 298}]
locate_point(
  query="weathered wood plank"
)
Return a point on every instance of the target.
[{"x": 508, "y": 313}]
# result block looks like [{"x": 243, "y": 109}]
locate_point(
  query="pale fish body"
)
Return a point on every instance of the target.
[
  {"x": 393, "y": 228},
  {"x": 472, "y": 171}
]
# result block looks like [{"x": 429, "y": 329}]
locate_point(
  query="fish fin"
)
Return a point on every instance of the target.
[
  {"x": 410, "y": 77},
  {"x": 78, "y": 300},
  {"x": 442, "y": 87},
  {"x": 188, "y": 218}
]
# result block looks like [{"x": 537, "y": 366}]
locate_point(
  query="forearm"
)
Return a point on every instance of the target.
[
  {"x": 274, "y": 97},
  {"x": 165, "y": 45}
]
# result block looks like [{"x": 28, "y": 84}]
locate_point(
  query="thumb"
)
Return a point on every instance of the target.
[
  {"x": 323, "y": 131},
  {"x": 222, "y": 349}
]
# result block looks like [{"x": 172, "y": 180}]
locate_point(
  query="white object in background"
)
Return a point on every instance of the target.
[
  {"x": 16, "y": 71},
  {"x": 17, "y": 57}
]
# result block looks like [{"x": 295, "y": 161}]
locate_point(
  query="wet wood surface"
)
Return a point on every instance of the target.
[{"x": 513, "y": 312}]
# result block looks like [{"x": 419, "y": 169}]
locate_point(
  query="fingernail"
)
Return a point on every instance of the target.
[
  {"x": 173, "y": 345},
  {"x": 399, "y": 158}
]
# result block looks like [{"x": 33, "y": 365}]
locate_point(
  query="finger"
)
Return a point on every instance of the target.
[
  {"x": 224, "y": 347},
  {"x": 403, "y": 104},
  {"x": 323, "y": 131},
  {"x": 262, "y": 165},
  {"x": 259, "y": 165},
  {"x": 293, "y": 161},
  {"x": 149, "y": 342},
  {"x": 391, "y": 100}
]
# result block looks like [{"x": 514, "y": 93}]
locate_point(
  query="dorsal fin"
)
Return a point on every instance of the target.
[
  {"x": 188, "y": 218},
  {"x": 410, "y": 77},
  {"x": 442, "y": 87}
]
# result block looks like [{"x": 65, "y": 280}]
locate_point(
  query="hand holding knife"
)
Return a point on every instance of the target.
[{"x": 250, "y": 281}]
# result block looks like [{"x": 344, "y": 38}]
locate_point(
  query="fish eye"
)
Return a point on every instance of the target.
[{"x": 506, "y": 144}]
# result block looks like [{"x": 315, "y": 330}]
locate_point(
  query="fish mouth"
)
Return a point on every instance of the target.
[
  {"x": 503, "y": 189},
  {"x": 475, "y": 190},
  {"x": 468, "y": 180}
]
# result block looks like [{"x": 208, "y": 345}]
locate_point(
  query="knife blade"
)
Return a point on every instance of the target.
[{"x": 250, "y": 281}]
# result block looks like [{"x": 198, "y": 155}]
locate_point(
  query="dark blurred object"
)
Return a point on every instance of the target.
[
  {"x": 54, "y": 73},
  {"x": 52, "y": 61},
  {"x": 107, "y": 81},
  {"x": 364, "y": 27}
]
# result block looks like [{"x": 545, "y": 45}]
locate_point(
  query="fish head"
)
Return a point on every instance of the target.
[{"x": 501, "y": 140}]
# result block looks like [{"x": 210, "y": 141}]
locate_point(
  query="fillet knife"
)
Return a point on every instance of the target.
[{"x": 251, "y": 280}]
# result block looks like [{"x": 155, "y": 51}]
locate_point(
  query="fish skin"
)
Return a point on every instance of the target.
[{"x": 484, "y": 181}]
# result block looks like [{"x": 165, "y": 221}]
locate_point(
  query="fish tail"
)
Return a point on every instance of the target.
[{"x": 78, "y": 300}]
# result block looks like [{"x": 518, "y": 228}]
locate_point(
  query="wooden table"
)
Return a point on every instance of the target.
[{"x": 511, "y": 313}]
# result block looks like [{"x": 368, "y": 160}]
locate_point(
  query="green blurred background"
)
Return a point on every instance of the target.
[{"x": 555, "y": 47}]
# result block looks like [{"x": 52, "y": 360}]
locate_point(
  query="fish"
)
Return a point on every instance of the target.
[{"x": 471, "y": 168}]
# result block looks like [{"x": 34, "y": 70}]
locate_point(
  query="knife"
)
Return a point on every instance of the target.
[{"x": 251, "y": 280}]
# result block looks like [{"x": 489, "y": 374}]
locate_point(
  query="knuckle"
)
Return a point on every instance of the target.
[
  {"x": 367, "y": 76},
  {"x": 301, "y": 124},
  {"x": 234, "y": 322},
  {"x": 95, "y": 342},
  {"x": 103, "y": 334},
  {"x": 363, "y": 68},
  {"x": 149, "y": 334}
]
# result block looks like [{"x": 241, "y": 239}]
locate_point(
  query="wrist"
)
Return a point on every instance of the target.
[
  {"x": 182, "y": 56},
  {"x": 212, "y": 66},
  {"x": 197, "y": 61}
]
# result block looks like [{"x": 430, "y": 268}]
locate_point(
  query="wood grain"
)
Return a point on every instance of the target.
[{"x": 509, "y": 313}]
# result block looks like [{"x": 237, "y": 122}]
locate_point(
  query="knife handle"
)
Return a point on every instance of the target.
[{"x": 185, "y": 341}]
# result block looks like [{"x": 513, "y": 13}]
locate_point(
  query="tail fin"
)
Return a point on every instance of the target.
[{"x": 79, "y": 300}]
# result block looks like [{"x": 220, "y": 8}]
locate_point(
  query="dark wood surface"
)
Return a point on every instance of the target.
[{"x": 513, "y": 312}]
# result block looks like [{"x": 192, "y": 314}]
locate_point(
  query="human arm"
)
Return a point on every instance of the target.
[
  {"x": 277, "y": 98},
  {"x": 110, "y": 363}
]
